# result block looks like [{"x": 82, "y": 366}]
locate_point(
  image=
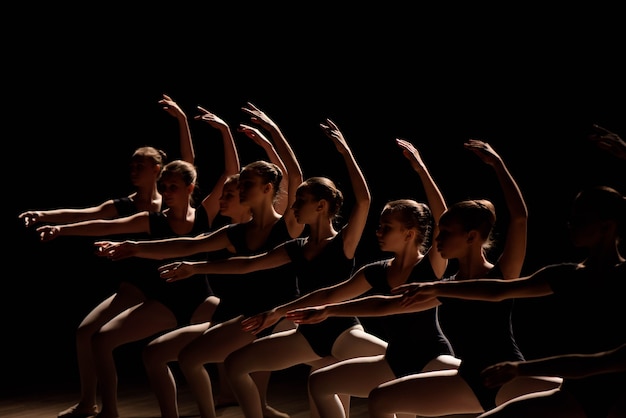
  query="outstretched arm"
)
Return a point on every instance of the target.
[
  {"x": 133, "y": 224},
  {"x": 375, "y": 305},
  {"x": 232, "y": 166},
  {"x": 257, "y": 136},
  {"x": 179, "y": 270},
  {"x": 569, "y": 366},
  {"x": 487, "y": 289},
  {"x": 165, "y": 248},
  {"x": 294, "y": 172},
  {"x": 187, "y": 151},
  {"x": 353, "y": 230},
  {"x": 105, "y": 210},
  {"x": 434, "y": 197},
  {"x": 512, "y": 259},
  {"x": 354, "y": 286}
]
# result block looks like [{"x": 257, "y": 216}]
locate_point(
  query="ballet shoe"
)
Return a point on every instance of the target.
[{"x": 74, "y": 412}]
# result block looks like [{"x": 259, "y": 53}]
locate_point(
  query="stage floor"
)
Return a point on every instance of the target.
[{"x": 287, "y": 393}]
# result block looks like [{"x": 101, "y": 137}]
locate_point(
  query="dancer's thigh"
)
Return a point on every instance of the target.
[
  {"x": 126, "y": 297},
  {"x": 216, "y": 343},
  {"x": 204, "y": 312},
  {"x": 442, "y": 362},
  {"x": 355, "y": 342},
  {"x": 166, "y": 347},
  {"x": 433, "y": 393},
  {"x": 273, "y": 352},
  {"x": 142, "y": 321},
  {"x": 355, "y": 376},
  {"x": 524, "y": 385},
  {"x": 547, "y": 404}
]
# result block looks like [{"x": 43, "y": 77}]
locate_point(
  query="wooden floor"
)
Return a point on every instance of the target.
[{"x": 287, "y": 393}]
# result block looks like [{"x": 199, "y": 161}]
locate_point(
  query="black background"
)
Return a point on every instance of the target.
[{"x": 81, "y": 93}]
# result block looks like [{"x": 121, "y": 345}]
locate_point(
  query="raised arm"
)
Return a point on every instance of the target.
[
  {"x": 294, "y": 172},
  {"x": 353, "y": 230},
  {"x": 512, "y": 259},
  {"x": 187, "y": 151},
  {"x": 281, "y": 205},
  {"x": 232, "y": 166},
  {"x": 434, "y": 197}
]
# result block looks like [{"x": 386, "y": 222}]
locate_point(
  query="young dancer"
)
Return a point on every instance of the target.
[
  {"x": 478, "y": 332},
  {"x": 160, "y": 352},
  {"x": 587, "y": 297},
  {"x": 258, "y": 188},
  {"x": 321, "y": 259},
  {"x": 183, "y": 219},
  {"x": 414, "y": 342},
  {"x": 145, "y": 168}
]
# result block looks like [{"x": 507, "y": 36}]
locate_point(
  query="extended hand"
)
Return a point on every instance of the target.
[
  {"x": 48, "y": 232},
  {"x": 307, "y": 315},
  {"x": 115, "y": 250},
  {"x": 257, "y": 323},
  {"x": 178, "y": 270},
  {"x": 498, "y": 374}
]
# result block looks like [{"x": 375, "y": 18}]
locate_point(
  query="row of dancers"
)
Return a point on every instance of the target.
[{"x": 262, "y": 275}]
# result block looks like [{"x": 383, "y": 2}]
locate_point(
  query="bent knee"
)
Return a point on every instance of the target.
[
  {"x": 317, "y": 383},
  {"x": 150, "y": 355},
  {"x": 375, "y": 402},
  {"x": 232, "y": 367},
  {"x": 101, "y": 342},
  {"x": 185, "y": 362}
]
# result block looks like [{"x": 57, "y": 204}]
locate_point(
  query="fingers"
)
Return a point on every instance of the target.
[
  {"x": 601, "y": 130},
  {"x": 398, "y": 289},
  {"x": 169, "y": 271},
  {"x": 165, "y": 268},
  {"x": 250, "y": 324}
]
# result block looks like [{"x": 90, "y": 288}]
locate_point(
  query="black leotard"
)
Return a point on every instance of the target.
[
  {"x": 221, "y": 284},
  {"x": 329, "y": 267},
  {"x": 184, "y": 296},
  {"x": 589, "y": 315},
  {"x": 481, "y": 334},
  {"x": 135, "y": 270},
  {"x": 413, "y": 339},
  {"x": 260, "y": 290}
]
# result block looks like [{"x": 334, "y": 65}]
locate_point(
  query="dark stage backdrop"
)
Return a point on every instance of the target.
[{"x": 83, "y": 95}]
